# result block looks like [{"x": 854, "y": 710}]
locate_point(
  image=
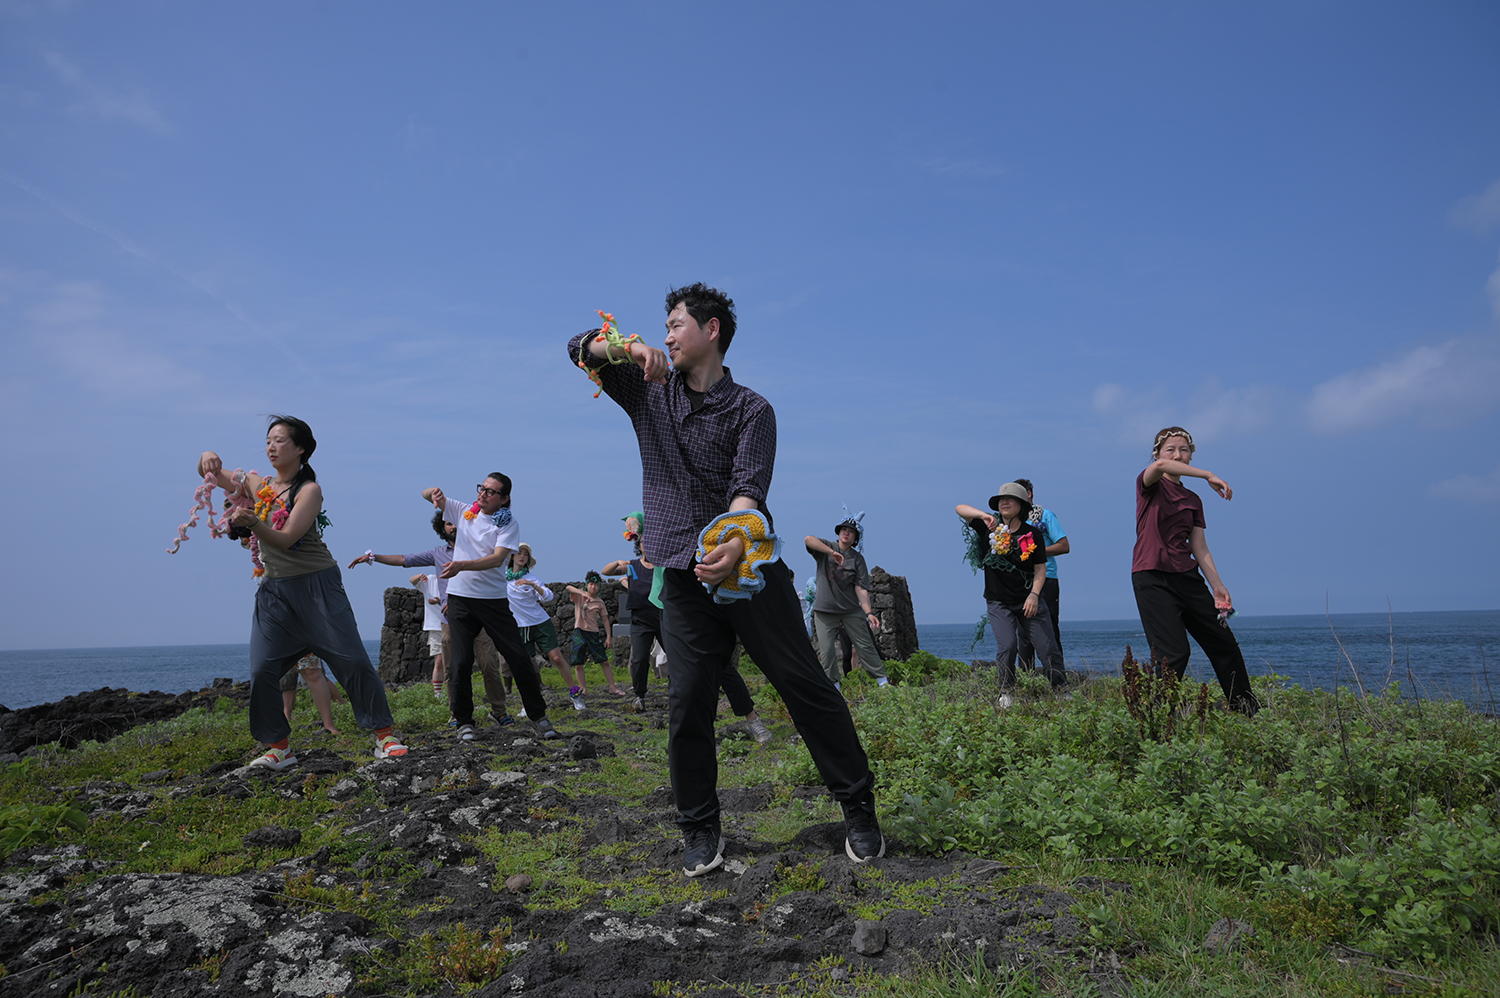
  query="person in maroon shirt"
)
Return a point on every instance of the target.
[{"x": 1170, "y": 551}]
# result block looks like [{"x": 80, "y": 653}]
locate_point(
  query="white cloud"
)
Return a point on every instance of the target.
[
  {"x": 134, "y": 106},
  {"x": 1479, "y": 212},
  {"x": 1211, "y": 412},
  {"x": 1469, "y": 488},
  {"x": 1435, "y": 385}
]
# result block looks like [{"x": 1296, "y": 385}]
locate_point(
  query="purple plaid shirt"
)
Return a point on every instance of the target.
[{"x": 693, "y": 464}]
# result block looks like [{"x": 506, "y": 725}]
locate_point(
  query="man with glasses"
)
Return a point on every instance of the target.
[{"x": 478, "y": 600}]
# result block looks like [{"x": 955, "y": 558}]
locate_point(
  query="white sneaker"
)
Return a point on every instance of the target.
[
  {"x": 1006, "y": 700},
  {"x": 275, "y": 758},
  {"x": 759, "y": 730},
  {"x": 466, "y": 732}
]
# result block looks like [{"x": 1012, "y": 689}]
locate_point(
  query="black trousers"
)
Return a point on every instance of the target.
[
  {"x": 645, "y": 627},
  {"x": 468, "y": 616},
  {"x": 699, "y": 638},
  {"x": 1176, "y": 604},
  {"x": 1025, "y": 653}
]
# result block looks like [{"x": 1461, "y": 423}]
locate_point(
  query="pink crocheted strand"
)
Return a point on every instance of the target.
[
  {"x": 203, "y": 498},
  {"x": 218, "y": 525}
]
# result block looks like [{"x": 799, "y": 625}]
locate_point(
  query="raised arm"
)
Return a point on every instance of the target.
[
  {"x": 371, "y": 558},
  {"x": 967, "y": 513},
  {"x": 815, "y": 547},
  {"x": 1162, "y": 466},
  {"x": 619, "y": 567},
  {"x": 210, "y": 464}
]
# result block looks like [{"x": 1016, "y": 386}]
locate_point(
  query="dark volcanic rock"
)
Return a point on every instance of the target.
[{"x": 98, "y": 715}]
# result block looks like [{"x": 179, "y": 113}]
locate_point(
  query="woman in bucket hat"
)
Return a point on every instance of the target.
[{"x": 1013, "y": 554}]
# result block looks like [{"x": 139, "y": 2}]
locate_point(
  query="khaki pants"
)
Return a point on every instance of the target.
[{"x": 858, "y": 630}]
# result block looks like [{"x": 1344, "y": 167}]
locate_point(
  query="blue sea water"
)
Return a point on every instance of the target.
[{"x": 1437, "y": 655}]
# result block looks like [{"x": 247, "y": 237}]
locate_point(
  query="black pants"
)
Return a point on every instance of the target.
[
  {"x": 309, "y": 613},
  {"x": 1176, "y": 604},
  {"x": 1025, "y": 653},
  {"x": 699, "y": 637},
  {"x": 467, "y": 616},
  {"x": 645, "y": 627}
]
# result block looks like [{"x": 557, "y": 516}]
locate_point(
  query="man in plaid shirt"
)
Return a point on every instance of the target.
[{"x": 708, "y": 446}]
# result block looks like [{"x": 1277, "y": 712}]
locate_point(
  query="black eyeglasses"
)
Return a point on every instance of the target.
[{"x": 485, "y": 490}]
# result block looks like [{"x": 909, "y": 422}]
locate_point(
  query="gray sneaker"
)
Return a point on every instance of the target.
[
  {"x": 759, "y": 730},
  {"x": 638, "y": 705},
  {"x": 466, "y": 732}
]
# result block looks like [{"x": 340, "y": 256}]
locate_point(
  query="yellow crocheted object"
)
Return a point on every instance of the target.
[{"x": 762, "y": 548}]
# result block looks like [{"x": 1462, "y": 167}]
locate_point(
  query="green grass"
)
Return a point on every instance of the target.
[{"x": 1359, "y": 836}]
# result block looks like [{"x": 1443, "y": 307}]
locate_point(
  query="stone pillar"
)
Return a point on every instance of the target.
[
  {"x": 403, "y": 646},
  {"x": 891, "y": 600}
]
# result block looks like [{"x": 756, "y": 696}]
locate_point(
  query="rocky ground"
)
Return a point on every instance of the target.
[{"x": 377, "y": 914}]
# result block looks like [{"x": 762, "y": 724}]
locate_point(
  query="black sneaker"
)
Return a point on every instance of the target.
[
  {"x": 703, "y": 849},
  {"x": 545, "y": 729},
  {"x": 864, "y": 841}
]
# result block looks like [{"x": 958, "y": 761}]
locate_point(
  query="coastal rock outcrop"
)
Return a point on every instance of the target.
[
  {"x": 101, "y": 714},
  {"x": 421, "y": 849}
]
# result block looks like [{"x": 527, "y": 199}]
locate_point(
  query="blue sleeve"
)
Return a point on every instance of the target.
[{"x": 1051, "y": 527}]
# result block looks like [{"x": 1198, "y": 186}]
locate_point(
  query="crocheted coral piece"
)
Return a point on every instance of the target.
[{"x": 762, "y": 548}]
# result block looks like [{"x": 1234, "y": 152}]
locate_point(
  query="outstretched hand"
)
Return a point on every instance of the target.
[
  {"x": 438, "y": 499},
  {"x": 1220, "y": 486},
  {"x": 364, "y": 559},
  {"x": 719, "y": 563},
  {"x": 653, "y": 363}
]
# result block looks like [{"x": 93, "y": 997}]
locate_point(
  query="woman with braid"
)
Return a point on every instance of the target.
[{"x": 300, "y": 606}]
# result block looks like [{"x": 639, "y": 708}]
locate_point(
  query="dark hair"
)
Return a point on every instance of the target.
[
  {"x": 302, "y": 436},
  {"x": 703, "y": 303},
  {"x": 438, "y": 523},
  {"x": 849, "y": 525},
  {"x": 594, "y": 576},
  {"x": 503, "y": 480},
  {"x": 1025, "y": 483},
  {"x": 1173, "y": 431}
]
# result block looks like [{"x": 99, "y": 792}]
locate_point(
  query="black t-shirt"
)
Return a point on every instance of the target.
[
  {"x": 638, "y": 596},
  {"x": 1011, "y": 584}
]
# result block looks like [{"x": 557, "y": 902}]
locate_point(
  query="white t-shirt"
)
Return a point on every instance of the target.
[
  {"x": 525, "y": 604},
  {"x": 478, "y": 538},
  {"x": 432, "y": 613}
]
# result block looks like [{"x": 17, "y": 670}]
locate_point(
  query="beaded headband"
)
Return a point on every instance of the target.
[{"x": 1172, "y": 431}]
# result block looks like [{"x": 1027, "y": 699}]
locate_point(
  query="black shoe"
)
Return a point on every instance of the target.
[
  {"x": 545, "y": 729},
  {"x": 864, "y": 841},
  {"x": 704, "y": 848}
]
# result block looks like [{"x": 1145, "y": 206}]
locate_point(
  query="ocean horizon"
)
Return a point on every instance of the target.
[{"x": 1435, "y": 654}]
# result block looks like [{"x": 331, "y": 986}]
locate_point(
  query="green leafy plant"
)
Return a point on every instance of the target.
[{"x": 23, "y": 825}]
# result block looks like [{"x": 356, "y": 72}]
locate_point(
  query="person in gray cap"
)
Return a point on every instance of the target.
[{"x": 1013, "y": 554}]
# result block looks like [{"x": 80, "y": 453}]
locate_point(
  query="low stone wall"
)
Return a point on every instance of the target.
[{"x": 403, "y": 647}]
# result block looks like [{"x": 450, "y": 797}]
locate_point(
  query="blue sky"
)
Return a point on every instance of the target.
[{"x": 967, "y": 242}]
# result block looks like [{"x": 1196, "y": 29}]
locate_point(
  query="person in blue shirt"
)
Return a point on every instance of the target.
[{"x": 1057, "y": 543}]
